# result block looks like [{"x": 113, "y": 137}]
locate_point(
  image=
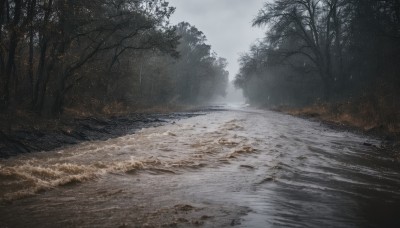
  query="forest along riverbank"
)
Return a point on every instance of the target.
[
  {"x": 26, "y": 135},
  {"x": 242, "y": 167}
]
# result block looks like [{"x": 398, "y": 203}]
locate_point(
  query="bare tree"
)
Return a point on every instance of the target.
[{"x": 316, "y": 24}]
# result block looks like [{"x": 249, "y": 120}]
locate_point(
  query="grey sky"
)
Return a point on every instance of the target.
[{"x": 226, "y": 24}]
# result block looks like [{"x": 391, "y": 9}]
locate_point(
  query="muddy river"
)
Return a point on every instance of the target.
[{"x": 239, "y": 167}]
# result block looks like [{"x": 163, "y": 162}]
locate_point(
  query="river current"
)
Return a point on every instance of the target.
[{"x": 238, "y": 167}]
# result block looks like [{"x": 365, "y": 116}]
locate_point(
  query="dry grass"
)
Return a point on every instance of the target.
[
  {"x": 98, "y": 108},
  {"x": 167, "y": 108},
  {"x": 24, "y": 120},
  {"x": 361, "y": 114}
]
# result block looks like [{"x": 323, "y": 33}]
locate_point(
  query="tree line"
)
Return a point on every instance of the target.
[
  {"x": 70, "y": 53},
  {"x": 324, "y": 50}
]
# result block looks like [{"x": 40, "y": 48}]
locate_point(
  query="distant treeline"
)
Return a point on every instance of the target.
[
  {"x": 325, "y": 51},
  {"x": 89, "y": 54}
]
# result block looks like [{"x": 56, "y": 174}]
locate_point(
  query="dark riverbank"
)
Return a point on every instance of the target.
[{"x": 27, "y": 134}]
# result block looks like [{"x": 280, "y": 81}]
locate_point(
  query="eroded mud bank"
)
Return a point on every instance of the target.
[{"x": 67, "y": 131}]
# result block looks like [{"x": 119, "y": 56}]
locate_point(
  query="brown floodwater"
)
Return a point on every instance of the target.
[{"x": 240, "y": 167}]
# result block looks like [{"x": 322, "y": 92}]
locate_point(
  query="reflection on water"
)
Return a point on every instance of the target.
[{"x": 241, "y": 167}]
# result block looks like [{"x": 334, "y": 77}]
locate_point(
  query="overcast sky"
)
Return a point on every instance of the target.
[{"x": 226, "y": 24}]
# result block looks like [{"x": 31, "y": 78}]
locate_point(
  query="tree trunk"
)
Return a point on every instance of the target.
[
  {"x": 39, "y": 85},
  {"x": 338, "y": 45},
  {"x": 2, "y": 61},
  {"x": 2, "y": 8},
  {"x": 327, "y": 90},
  {"x": 42, "y": 90},
  {"x": 12, "y": 47},
  {"x": 42, "y": 73},
  {"x": 56, "y": 106},
  {"x": 31, "y": 33}
]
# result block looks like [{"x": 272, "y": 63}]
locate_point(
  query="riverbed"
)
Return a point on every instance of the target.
[{"x": 236, "y": 167}]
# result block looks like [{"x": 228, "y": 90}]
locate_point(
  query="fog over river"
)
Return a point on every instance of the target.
[{"x": 232, "y": 167}]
